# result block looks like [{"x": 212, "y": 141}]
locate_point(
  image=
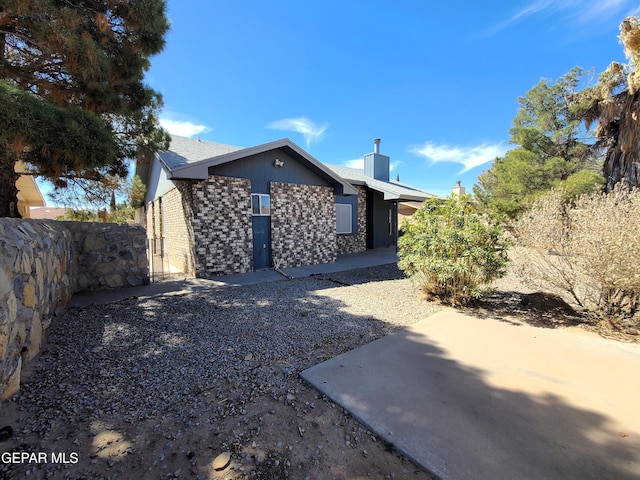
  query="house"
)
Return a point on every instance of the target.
[
  {"x": 406, "y": 210},
  {"x": 378, "y": 202},
  {"x": 29, "y": 194},
  {"x": 213, "y": 209},
  {"x": 47, "y": 213}
]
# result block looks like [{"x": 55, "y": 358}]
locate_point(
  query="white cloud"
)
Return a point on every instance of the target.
[
  {"x": 359, "y": 163},
  {"x": 529, "y": 10},
  {"x": 303, "y": 125},
  {"x": 469, "y": 157},
  {"x": 580, "y": 11},
  {"x": 596, "y": 10},
  {"x": 183, "y": 128}
]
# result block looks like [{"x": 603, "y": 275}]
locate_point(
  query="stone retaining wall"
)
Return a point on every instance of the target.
[
  {"x": 42, "y": 263},
  {"x": 109, "y": 255}
]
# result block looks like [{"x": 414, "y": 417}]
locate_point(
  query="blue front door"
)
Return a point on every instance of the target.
[{"x": 261, "y": 242}]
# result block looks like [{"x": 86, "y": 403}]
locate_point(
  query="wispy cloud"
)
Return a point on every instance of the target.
[
  {"x": 634, "y": 12},
  {"x": 596, "y": 10},
  {"x": 578, "y": 11},
  {"x": 357, "y": 163},
  {"x": 529, "y": 10},
  {"x": 468, "y": 157},
  {"x": 183, "y": 128},
  {"x": 303, "y": 125}
]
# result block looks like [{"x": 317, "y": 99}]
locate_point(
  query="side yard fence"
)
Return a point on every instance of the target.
[{"x": 42, "y": 264}]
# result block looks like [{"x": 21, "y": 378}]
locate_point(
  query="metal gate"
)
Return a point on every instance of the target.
[{"x": 155, "y": 249}]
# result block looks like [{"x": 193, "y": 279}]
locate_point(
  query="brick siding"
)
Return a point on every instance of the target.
[
  {"x": 222, "y": 226},
  {"x": 358, "y": 242},
  {"x": 177, "y": 228},
  {"x": 303, "y": 224}
]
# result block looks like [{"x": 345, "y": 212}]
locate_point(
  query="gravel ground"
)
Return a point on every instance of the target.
[{"x": 165, "y": 387}]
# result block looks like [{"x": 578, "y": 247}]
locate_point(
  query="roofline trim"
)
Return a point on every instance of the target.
[{"x": 200, "y": 170}]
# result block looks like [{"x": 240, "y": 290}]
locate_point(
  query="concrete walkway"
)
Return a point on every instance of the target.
[
  {"x": 369, "y": 258},
  {"x": 471, "y": 398}
]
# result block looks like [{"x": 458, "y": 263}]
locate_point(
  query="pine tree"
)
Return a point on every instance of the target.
[
  {"x": 552, "y": 150},
  {"x": 73, "y": 103}
]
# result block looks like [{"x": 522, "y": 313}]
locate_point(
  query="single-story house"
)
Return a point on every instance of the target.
[
  {"x": 47, "y": 213},
  {"x": 215, "y": 209},
  {"x": 407, "y": 209},
  {"x": 29, "y": 194}
]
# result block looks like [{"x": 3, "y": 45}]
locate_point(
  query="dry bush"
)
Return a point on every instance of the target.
[{"x": 590, "y": 250}]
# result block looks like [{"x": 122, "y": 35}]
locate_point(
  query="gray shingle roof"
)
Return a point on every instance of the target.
[
  {"x": 188, "y": 158},
  {"x": 392, "y": 190},
  {"x": 184, "y": 150}
]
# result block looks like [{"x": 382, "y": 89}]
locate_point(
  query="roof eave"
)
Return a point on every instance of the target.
[
  {"x": 404, "y": 198},
  {"x": 200, "y": 170}
]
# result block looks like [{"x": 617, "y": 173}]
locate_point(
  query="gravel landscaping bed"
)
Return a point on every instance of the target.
[{"x": 165, "y": 386}]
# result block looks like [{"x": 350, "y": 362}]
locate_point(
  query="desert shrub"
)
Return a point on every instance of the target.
[
  {"x": 589, "y": 249},
  {"x": 451, "y": 250}
]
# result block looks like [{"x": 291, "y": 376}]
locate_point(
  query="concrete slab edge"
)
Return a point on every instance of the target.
[{"x": 383, "y": 435}]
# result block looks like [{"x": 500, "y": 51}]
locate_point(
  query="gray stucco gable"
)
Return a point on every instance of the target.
[{"x": 190, "y": 159}]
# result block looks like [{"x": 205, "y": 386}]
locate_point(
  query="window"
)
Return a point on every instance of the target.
[
  {"x": 260, "y": 204},
  {"x": 344, "y": 213}
]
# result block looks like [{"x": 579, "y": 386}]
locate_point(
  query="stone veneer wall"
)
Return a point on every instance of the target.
[
  {"x": 109, "y": 255},
  {"x": 358, "y": 242},
  {"x": 42, "y": 263},
  {"x": 303, "y": 224},
  {"x": 222, "y": 226}
]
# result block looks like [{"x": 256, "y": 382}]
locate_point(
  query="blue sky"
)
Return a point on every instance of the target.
[{"x": 438, "y": 82}]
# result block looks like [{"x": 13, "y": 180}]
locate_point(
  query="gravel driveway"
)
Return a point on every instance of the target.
[{"x": 159, "y": 387}]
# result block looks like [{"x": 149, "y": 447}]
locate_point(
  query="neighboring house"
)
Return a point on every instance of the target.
[
  {"x": 215, "y": 209},
  {"x": 47, "y": 213},
  {"x": 406, "y": 210},
  {"x": 29, "y": 194}
]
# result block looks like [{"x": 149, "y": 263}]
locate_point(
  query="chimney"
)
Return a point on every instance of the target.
[
  {"x": 458, "y": 189},
  {"x": 376, "y": 165}
]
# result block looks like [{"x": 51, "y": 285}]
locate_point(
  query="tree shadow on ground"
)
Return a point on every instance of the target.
[
  {"x": 456, "y": 422},
  {"x": 537, "y": 309},
  {"x": 149, "y": 387},
  {"x": 148, "y": 384},
  {"x": 364, "y": 275}
]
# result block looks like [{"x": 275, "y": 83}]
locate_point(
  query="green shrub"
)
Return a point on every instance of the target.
[
  {"x": 451, "y": 250},
  {"x": 590, "y": 250}
]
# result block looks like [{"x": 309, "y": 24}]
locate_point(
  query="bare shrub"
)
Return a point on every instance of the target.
[{"x": 590, "y": 250}]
